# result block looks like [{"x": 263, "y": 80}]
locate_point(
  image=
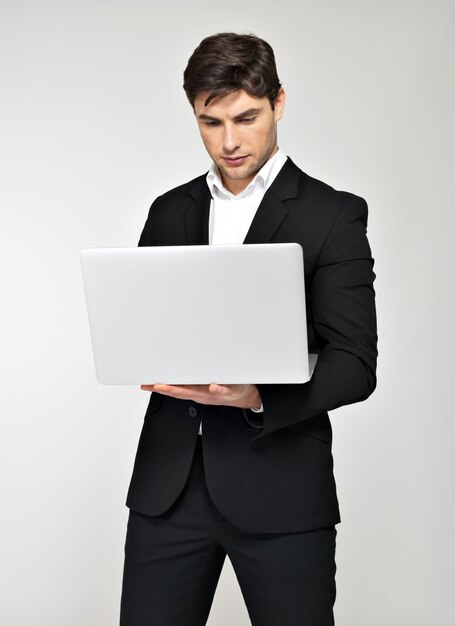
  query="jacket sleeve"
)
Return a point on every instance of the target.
[{"x": 344, "y": 318}]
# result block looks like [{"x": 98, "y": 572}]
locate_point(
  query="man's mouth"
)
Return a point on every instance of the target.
[{"x": 237, "y": 160}]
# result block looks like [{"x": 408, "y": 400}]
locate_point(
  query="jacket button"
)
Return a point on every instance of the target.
[{"x": 192, "y": 411}]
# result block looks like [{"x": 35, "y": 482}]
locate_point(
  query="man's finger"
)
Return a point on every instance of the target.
[{"x": 219, "y": 389}]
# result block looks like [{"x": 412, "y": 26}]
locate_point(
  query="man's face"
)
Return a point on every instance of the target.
[{"x": 239, "y": 132}]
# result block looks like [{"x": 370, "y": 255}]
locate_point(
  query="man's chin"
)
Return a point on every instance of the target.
[{"x": 238, "y": 173}]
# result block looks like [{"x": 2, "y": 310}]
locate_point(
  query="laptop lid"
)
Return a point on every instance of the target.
[{"x": 197, "y": 314}]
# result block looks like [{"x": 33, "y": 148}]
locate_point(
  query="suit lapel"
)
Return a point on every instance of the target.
[
  {"x": 196, "y": 216},
  {"x": 270, "y": 214},
  {"x": 273, "y": 210}
]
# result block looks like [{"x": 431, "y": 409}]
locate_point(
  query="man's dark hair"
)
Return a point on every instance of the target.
[{"x": 227, "y": 62}]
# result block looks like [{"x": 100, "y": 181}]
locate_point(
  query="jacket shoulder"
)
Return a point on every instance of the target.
[
  {"x": 321, "y": 190},
  {"x": 323, "y": 202},
  {"x": 165, "y": 224},
  {"x": 293, "y": 183},
  {"x": 192, "y": 188}
]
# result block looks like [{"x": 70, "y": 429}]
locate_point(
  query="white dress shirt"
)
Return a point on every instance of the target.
[{"x": 230, "y": 215}]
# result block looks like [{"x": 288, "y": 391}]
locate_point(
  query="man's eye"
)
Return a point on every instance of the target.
[
  {"x": 211, "y": 123},
  {"x": 247, "y": 120}
]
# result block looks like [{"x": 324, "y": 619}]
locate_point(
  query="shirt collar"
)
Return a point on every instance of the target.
[{"x": 263, "y": 179}]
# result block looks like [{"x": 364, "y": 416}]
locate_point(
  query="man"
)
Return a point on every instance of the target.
[{"x": 246, "y": 470}]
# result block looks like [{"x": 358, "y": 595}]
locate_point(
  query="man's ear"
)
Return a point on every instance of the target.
[{"x": 280, "y": 101}]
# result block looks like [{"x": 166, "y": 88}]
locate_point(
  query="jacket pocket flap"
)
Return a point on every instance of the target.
[{"x": 317, "y": 427}]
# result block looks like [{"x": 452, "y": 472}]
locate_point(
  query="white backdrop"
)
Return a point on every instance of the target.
[{"x": 94, "y": 125}]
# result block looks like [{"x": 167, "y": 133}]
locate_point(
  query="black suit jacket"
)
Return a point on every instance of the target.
[{"x": 275, "y": 475}]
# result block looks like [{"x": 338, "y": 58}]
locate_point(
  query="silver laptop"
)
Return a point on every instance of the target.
[{"x": 197, "y": 314}]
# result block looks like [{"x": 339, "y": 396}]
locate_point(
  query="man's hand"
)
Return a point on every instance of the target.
[{"x": 242, "y": 396}]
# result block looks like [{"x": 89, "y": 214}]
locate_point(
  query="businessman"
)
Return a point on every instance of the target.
[{"x": 246, "y": 470}]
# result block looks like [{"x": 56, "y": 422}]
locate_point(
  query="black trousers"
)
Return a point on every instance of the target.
[{"x": 173, "y": 563}]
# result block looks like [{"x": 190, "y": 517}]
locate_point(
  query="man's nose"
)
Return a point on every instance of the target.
[{"x": 231, "y": 139}]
